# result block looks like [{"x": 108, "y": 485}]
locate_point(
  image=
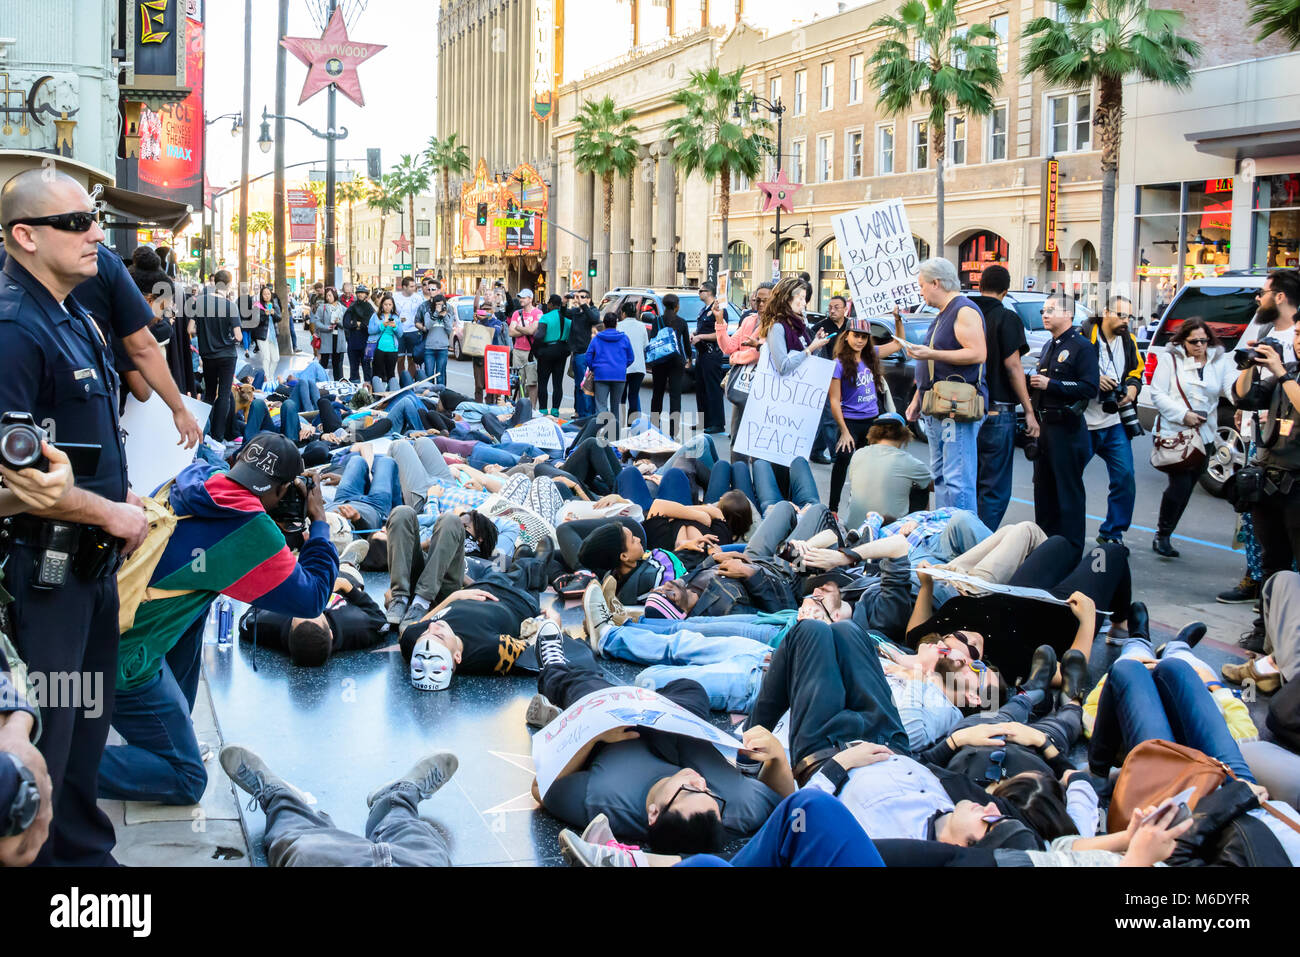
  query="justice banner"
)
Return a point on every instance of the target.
[{"x": 782, "y": 412}]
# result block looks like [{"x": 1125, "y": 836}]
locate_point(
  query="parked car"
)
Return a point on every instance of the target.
[
  {"x": 463, "y": 309},
  {"x": 689, "y": 307},
  {"x": 1227, "y": 304}
]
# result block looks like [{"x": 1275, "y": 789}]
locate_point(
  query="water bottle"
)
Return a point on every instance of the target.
[{"x": 225, "y": 621}]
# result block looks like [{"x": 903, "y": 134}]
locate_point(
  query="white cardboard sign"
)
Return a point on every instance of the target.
[
  {"x": 782, "y": 412},
  {"x": 539, "y": 431},
  {"x": 879, "y": 257}
]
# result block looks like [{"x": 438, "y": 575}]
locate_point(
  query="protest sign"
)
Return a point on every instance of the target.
[
  {"x": 541, "y": 432},
  {"x": 608, "y": 708},
  {"x": 879, "y": 257},
  {"x": 496, "y": 370},
  {"x": 651, "y": 440},
  {"x": 151, "y": 457},
  {"x": 782, "y": 412}
]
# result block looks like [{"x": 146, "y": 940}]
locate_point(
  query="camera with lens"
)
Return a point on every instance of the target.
[
  {"x": 1128, "y": 415},
  {"x": 20, "y": 442},
  {"x": 291, "y": 511},
  {"x": 1246, "y": 358}
]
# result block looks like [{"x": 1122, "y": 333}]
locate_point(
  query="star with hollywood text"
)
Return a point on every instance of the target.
[{"x": 332, "y": 58}]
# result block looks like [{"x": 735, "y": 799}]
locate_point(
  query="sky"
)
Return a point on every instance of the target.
[{"x": 399, "y": 83}]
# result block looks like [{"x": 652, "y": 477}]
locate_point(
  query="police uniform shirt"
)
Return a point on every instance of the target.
[
  {"x": 1070, "y": 363},
  {"x": 58, "y": 367}
]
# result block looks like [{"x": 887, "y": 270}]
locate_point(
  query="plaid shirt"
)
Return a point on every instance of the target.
[{"x": 927, "y": 524}]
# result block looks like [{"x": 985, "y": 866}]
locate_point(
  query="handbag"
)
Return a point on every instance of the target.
[
  {"x": 589, "y": 383},
  {"x": 662, "y": 346},
  {"x": 740, "y": 379},
  {"x": 1182, "y": 452},
  {"x": 1157, "y": 769},
  {"x": 951, "y": 398},
  {"x": 370, "y": 351}
]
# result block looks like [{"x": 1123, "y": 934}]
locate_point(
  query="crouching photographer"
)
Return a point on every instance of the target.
[
  {"x": 212, "y": 533},
  {"x": 1270, "y": 486}
]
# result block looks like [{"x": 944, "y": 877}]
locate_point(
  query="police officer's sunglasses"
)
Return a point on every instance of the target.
[{"x": 78, "y": 222}]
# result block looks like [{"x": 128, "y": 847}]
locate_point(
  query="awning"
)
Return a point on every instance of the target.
[
  {"x": 1260, "y": 140},
  {"x": 149, "y": 210}
]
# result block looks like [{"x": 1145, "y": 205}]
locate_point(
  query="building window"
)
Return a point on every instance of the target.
[
  {"x": 885, "y": 150},
  {"x": 1194, "y": 216},
  {"x": 1057, "y": 12},
  {"x": 1070, "y": 123},
  {"x": 830, "y": 274},
  {"x": 978, "y": 253},
  {"x": 740, "y": 183},
  {"x": 793, "y": 259},
  {"x": 1275, "y": 238},
  {"x": 959, "y": 56},
  {"x": 1001, "y": 32},
  {"x": 957, "y": 140},
  {"x": 997, "y": 127},
  {"x": 740, "y": 265},
  {"x": 797, "y": 150},
  {"x": 774, "y": 89},
  {"x": 422, "y": 257},
  {"x": 800, "y": 85},
  {"x": 422, "y": 227},
  {"x": 825, "y": 158},
  {"x": 923, "y": 56},
  {"x": 922, "y": 248},
  {"x": 920, "y": 144},
  {"x": 828, "y": 85},
  {"x": 855, "y": 79},
  {"x": 852, "y": 154}
]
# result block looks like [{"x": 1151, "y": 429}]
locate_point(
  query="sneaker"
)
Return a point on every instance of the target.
[
  {"x": 595, "y": 613},
  {"x": 541, "y": 713},
  {"x": 617, "y": 613},
  {"x": 355, "y": 552},
  {"x": 1244, "y": 592},
  {"x": 397, "y": 610},
  {"x": 598, "y": 831},
  {"x": 1109, "y": 540},
  {"x": 418, "y": 608},
  {"x": 545, "y": 500},
  {"x": 1252, "y": 641},
  {"x": 1246, "y": 671},
  {"x": 428, "y": 774},
  {"x": 580, "y": 853},
  {"x": 516, "y": 489},
  {"x": 252, "y": 776},
  {"x": 550, "y": 644}
]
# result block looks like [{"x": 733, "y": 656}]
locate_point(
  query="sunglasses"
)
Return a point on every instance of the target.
[
  {"x": 691, "y": 789},
  {"x": 1197, "y": 342},
  {"x": 79, "y": 222}
]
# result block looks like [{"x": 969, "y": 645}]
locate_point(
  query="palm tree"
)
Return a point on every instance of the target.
[
  {"x": 446, "y": 157},
  {"x": 1107, "y": 41},
  {"x": 259, "y": 225},
  {"x": 385, "y": 198},
  {"x": 605, "y": 144},
  {"x": 1277, "y": 16},
  {"x": 715, "y": 137},
  {"x": 412, "y": 175},
  {"x": 351, "y": 191},
  {"x": 927, "y": 59}
]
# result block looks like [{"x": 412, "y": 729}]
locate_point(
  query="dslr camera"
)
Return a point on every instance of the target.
[
  {"x": 20, "y": 442},
  {"x": 1247, "y": 357},
  {"x": 290, "y": 512},
  {"x": 1128, "y": 415}
]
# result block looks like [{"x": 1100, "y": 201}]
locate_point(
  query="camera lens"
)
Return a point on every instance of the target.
[{"x": 20, "y": 447}]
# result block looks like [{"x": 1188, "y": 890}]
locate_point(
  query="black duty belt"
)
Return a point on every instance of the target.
[{"x": 95, "y": 553}]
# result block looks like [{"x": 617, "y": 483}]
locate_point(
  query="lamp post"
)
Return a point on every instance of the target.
[
  {"x": 331, "y": 136},
  {"x": 777, "y": 109},
  {"x": 777, "y": 231},
  {"x": 236, "y": 128}
]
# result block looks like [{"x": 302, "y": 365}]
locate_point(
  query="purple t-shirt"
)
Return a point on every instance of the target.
[{"x": 857, "y": 396}]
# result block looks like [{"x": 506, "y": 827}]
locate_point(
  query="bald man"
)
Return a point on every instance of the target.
[{"x": 59, "y": 563}]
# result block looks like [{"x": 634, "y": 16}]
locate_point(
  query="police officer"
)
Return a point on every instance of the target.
[
  {"x": 1065, "y": 383},
  {"x": 58, "y": 368}
]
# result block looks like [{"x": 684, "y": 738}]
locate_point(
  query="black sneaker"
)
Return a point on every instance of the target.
[
  {"x": 550, "y": 645},
  {"x": 397, "y": 610},
  {"x": 1244, "y": 592},
  {"x": 1252, "y": 641}
]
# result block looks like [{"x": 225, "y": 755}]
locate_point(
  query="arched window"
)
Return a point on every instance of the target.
[
  {"x": 977, "y": 252},
  {"x": 830, "y": 274},
  {"x": 794, "y": 260},
  {"x": 740, "y": 264},
  {"x": 922, "y": 248}
]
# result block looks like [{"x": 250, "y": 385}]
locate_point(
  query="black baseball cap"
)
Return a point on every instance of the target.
[
  {"x": 836, "y": 576},
  {"x": 266, "y": 460}
]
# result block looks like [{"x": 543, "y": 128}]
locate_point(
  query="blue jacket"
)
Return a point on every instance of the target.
[{"x": 609, "y": 355}]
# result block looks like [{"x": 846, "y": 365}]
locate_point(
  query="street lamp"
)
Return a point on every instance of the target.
[
  {"x": 331, "y": 136},
  {"x": 236, "y": 127},
  {"x": 777, "y": 109}
]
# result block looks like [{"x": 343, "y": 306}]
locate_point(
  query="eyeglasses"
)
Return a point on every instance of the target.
[
  {"x": 692, "y": 789},
  {"x": 1197, "y": 342},
  {"x": 1126, "y": 316},
  {"x": 78, "y": 222}
]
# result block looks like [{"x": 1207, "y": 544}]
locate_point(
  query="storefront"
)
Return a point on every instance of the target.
[
  {"x": 1184, "y": 231},
  {"x": 740, "y": 266},
  {"x": 830, "y": 274},
  {"x": 977, "y": 253},
  {"x": 1275, "y": 222}
]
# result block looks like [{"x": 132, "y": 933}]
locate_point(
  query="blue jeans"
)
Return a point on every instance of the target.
[
  {"x": 435, "y": 363},
  {"x": 160, "y": 760},
  {"x": 726, "y": 476},
  {"x": 701, "y": 447},
  {"x": 826, "y": 435},
  {"x": 962, "y": 533},
  {"x": 583, "y": 404},
  {"x": 725, "y": 626},
  {"x": 248, "y": 340},
  {"x": 384, "y": 488},
  {"x": 485, "y": 454},
  {"x": 404, "y": 413},
  {"x": 730, "y": 669},
  {"x": 1170, "y": 703},
  {"x": 954, "y": 461},
  {"x": 1115, "y": 448},
  {"x": 674, "y": 486},
  {"x": 997, "y": 449},
  {"x": 803, "y": 487},
  {"x": 810, "y": 828}
]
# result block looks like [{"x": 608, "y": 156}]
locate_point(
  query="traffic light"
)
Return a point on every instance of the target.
[
  {"x": 591, "y": 268},
  {"x": 681, "y": 262},
  {"x": 196, "y": 247},
  {"x": 374, "y": 169},
  {"x": 482, "y": 214}
]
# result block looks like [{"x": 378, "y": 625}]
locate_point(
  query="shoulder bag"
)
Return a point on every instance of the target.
[
  {"x": 1183, "y": 451},
  {"x": 739, "y": 381},
  {"x": 951, "y": 398}
]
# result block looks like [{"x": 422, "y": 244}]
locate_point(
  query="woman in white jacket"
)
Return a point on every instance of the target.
[{"x": 1189, "y": 381}]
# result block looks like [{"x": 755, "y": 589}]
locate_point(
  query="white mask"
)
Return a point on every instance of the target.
[{"x": 431, "y": 665}]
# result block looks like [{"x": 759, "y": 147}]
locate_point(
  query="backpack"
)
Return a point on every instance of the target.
[{"x": 133, "y": 577}]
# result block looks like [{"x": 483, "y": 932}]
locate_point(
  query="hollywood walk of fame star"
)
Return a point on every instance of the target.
[
  {"x": 332, "y": 58},
  {"x": 779, "y": 193},
  {"x": 402, "y": 244}
]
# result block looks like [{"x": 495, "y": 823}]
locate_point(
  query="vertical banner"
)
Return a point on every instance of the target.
[
  {"x": 302, "y": 215},
  {"x": 496, "y": 370},
  {"x": 879, "y": 257},
  {"x": 171, "y": 140},
  {"x": 1049, "y": 222},
  {"x": 782, "y": 412}
]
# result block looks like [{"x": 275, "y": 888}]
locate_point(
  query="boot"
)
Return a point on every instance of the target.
[
  {"x": 1139, "y": 622},
  {"x": 1075, "y": 680},
  {"x": 1162, "y": 546}
]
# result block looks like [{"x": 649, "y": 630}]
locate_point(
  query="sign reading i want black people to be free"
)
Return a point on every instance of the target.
[
  {"x": 879, "y": 257},
  {"x": 782, "y": 411}
]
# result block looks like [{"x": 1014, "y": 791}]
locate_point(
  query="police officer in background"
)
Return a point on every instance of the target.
[
  {"x": 1065, "y": 383},
  {"x": 58, "y": 368}
]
